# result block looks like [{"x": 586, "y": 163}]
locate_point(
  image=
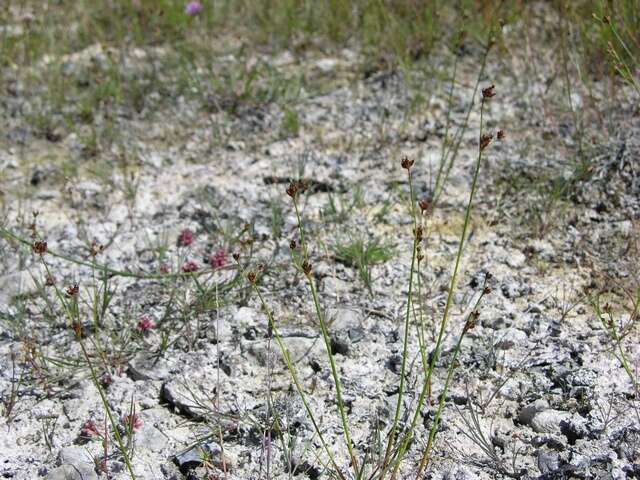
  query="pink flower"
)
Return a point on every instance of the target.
[
  {"x": 145, "y": 324},
  {"x": 164, "y": 268},
  {"x": 193, "y": 8},
  {"x": 132, "y": 422},
  {"x": 185, "y": 238},
  {"x": 90, "y": 429},
  {"x": 218, "y": 259},
  {"x": 189, "y": 266}
]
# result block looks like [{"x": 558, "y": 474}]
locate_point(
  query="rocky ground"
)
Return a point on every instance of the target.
[{"x": 539, "y": 390}]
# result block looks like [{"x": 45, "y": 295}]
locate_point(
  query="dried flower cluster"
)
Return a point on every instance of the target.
[
  {"x": 296, "y": 187},
  {"x": 39, "y": 247}
]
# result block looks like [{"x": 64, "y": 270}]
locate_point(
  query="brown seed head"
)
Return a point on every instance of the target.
[
  {"x": 489, "y": 92},
  {"x": 236, "y": 256},
  {"x": 426, "y": 206},
  {"x": 292, "y": 189},
  {"x": 306, "y": 268},
  {"x": 485, "y": 140},
  {"x": 471, "y": 321},
  {"x": 251, "y": 276},
  {"x": 39, "y": 247},
  {"x": 293, "y": 245},
  {"x": 419, "y": 233},
  {"x": 77, "y": 329},
  {"x": 49, "y": 281},
  {"x": 501, "y": 135},
  {"x": 406, "y": 163},
  {"x": 488, "y": 276},
  {"x": 96, "y": 248},
  {"x": 486, "y": 290},
  {"x": 302, "y": 186},
  {"x": 72, "y": 290}
]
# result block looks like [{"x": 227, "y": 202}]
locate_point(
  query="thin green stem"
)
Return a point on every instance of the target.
[
  {"x": 447, "y": 308},
  {"x": 405, "y": 343},
  {"x": 436, "y": 421},
  {"x": 292, "y": 371},
  {"x": 327, "y": 343}
]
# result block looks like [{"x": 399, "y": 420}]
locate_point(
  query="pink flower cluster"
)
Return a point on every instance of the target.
[
  {"x": 132, "y": 422},
  {"x": 145, "y": 324},
  {"x": 190, "y": 266},
  {"x": 185, "y": 238},
  {"x": 193, "y": 8},
  {"x": 89, "y": 429},
  {"x": 218, "y": 259}
]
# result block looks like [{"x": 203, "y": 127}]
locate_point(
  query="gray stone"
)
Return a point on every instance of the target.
[
  {"x": 548, "y": 461},
  {"x": 151, "y": 438},
  {"x": 18, "y": 283},
  {"x": 148, "y": 367},
  {"x": 550, "y": 421},
  {"x": 74, "y": 456},
  {"x": 195, "y": 456},
  {"x": 508, "y": 338},
  {"x": 527, "y": 413}
]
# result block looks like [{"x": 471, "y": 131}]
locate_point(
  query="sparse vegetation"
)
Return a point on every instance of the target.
[{"x": 198, "y": 198}]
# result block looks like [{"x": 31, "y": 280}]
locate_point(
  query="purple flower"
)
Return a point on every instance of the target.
[
  {"x": 189, "y": 266},
  {"x": 132, "y": 422},
  {"x": 185, "y": 238},
  {"x": 145, "y": 324},
  {"x": 193, "y": 8},
  {"x": 218, "y": 259},
  {"x": 90, "y": 429}
]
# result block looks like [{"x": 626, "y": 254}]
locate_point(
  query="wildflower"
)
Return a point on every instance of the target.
[
  {"x": 132, "y": 422},
  {"x": 106, "y": 379},
  {"x": 190, "y": 266},
  {"x": 39, "y": 247},
  {"x": 193, "y": 8},
  {"x": 164, "y": 268},
  {"x": 218, "y": 259},
  {"x": 145, "y": 324},
  {"x": 185, "y": 238},
  {"x": 89, "y": 429}
]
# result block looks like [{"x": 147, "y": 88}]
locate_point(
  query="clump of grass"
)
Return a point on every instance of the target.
[
  {"x": 363, "y": 255},
  {"x": 617, "y": 331}
]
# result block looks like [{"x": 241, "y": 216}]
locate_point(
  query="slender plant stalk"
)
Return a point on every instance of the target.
[
  {"x": 73, "y": 315},
  {"x": 469, "y": 323},
  {"x": 327, "y": 341},
  {"x": 447, "y": 308},
  {"x": 451, "y": 154},
  {"x": 405, "y": 343},
  {"x": 291, "y": 368}
]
